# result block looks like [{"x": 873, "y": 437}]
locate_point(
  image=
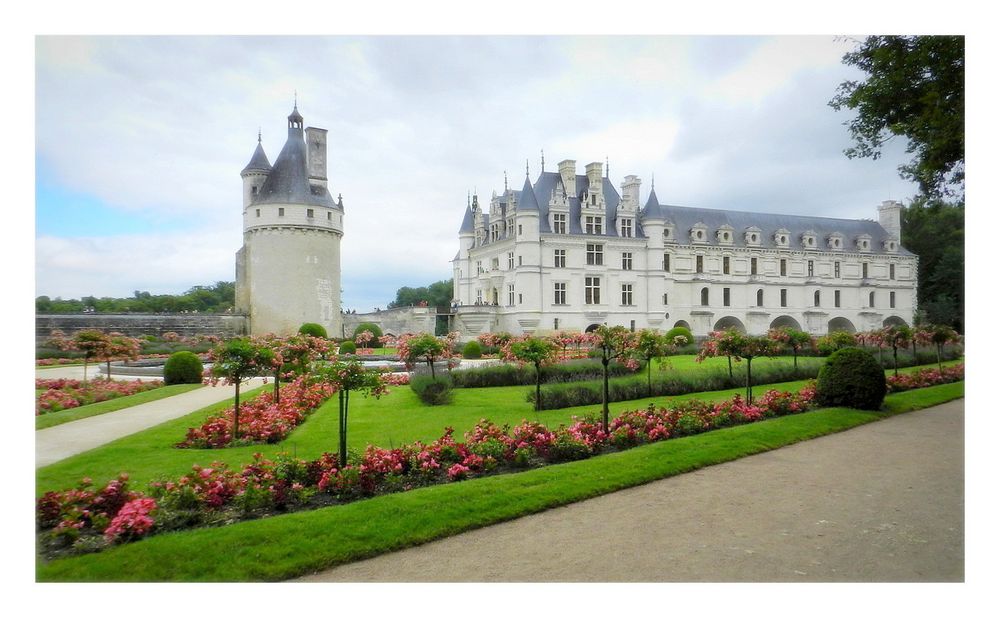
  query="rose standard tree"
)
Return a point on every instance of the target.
[
  {"x": 347, "y": 376},
  {"x": 651, "y": 345},
  {"x": 426, "y": 348},
  {"x": 792, "y": 338},
  {"x": 743, "y": 347},
  {"x": 235, "y": 361},
  {"x": 613, "y": 343},
  {"x": 539, "y": 352},
  {"x": 896, "y": 336}
]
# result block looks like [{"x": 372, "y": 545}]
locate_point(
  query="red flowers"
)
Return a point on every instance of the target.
[
  {"x": 64, "y": 393},
  {"x": 925, "y": 377}
]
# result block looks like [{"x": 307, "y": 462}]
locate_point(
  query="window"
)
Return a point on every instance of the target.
[
  {"x": 626, "y": 294},
  {"x": 329, "y": 216},
  {"x": 753, "y": 266},
  {"x": 520, "y": 299},
  {"x": 559, "y": 223},
  {"x": 665, "y": 303},
  {"x": 725, "y": 297},
  {"x": 784, "y": 267},
  {"x": 593, "y": 225},
  {"x": 593, "y": 199},
  {"x": 836, "y": 270},
  {"x": 519, "y": 230},
  {"x": 258, "y": 212},
  {"x": 555, "y": 324},
  {"x": 479, "y": 297},
  {"x": 809, "y": 267},
  {"x": 871, "y": 299},
  {"x": 510, "y": 295},
  {"x": 309, "y": 213},
  {"x": 725, "y": 265},
  {"x": 520, "y": 260},
  {"x": 704, "y": 297},
  {"x": 281, "y": 212},
  {"x": 784, "y": 297},
  {"x": 592, "y": 290},
  {"x": 892, "y": 271},
  {"x": 495, "y": 263},
  {"x": 479, "y": 267},
  {"x": 560, "y": 294},
  {"x": 892, "y": 300},
  {"x": 253, "y": 190},
  {"x": 626, "y": 261},
  {"x": 560, "y": 258},
  {"x": 666, "y": 262},
  {"x": 595, "y": 255},
  {"x": 816, "y": 298},
  {"x": 864, "y": 270},
  {"x": 631, "y": 325},
  {"x": 760, "y": 298},
  {"x": 699, "y": 264},
  {"x": 510, "y": 260},
  {"x": 626, "y": 228},
  {"x": 836, "y": 298}
]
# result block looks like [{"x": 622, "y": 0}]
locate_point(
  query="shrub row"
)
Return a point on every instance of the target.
[{"x": 514, "y": 375}]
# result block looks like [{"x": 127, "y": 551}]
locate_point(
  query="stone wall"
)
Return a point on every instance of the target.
[
  {"x": 137, "y": 324},
  {"x": 393, "y": 321}
]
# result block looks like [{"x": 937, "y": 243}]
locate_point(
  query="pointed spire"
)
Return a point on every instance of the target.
[
  {"x": 607, "y": 167},
  {"x": 258, "y": 135},
  {"x": 528, "y": 200},
  {"x": 505, "y": 181},
  {"x": 258, "y": 161},
  {"x": 543, "y": 160},
  {"x": 527, "y": 171}
]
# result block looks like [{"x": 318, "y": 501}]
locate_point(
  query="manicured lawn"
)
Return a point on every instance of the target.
[
  {"x": 72, "y": 414},
  {"x": 286, "y": 546}
]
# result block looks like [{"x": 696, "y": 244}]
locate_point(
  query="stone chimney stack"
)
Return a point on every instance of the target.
[
  {"x": 630, "y": 192},
  {"x": 316, "y": 156},
  {"x": 889, "y": 213},
  {"x": 567, "y": 170}
]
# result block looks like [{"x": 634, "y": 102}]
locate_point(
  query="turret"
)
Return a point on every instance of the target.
[{"x": 255, "y": 173}]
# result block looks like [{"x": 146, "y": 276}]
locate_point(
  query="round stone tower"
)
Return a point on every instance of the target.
[{"x": 288, "y": 271}]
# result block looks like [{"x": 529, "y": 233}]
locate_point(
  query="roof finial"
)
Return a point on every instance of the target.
[
  {"x": 258, "y": 135},
  {"x": 468, "y": 198},
  {"x": 607, "y": 167},
  {"x": 527, "y": 171},
  {"x": 652, "y": 180},
  {"x": 505, "y": 181},
  {"x": 296, "y": 102},
  {"x": 543, "y": 160}
]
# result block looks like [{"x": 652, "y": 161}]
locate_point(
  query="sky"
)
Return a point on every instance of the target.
[{"x": 140, "y": 140}]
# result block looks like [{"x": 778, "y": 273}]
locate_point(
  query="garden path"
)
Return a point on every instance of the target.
[
  {"x": 76, "y": 373},
  {"x": 881, "y": 502},
  {"x": 56, "y": 443}
]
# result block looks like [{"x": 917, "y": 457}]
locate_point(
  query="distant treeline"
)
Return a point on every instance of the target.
[{"x": 217, "y": 298}]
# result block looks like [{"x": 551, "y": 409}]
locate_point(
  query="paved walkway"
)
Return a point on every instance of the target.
[
  {"x": 75, "y": 372},
  {"x": 882, "y": 502},
  {"x": 59, "y": 442}
]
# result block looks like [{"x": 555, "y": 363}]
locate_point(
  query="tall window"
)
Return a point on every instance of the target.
[
  {"x": 809, "y": 265},
  {"x": 555, "y": 324},
  {"x": 836, "y": 298},
  {"x": 559, "y": 223},
  {"x": 560, "y": 293},
  {"x": 836, "y": 270},
  {"x": 704, "y": 297},
  {"x": 760, "y": 298},
  {"x": 784, "y": 267},
  {"x": 627, "y": 294},
  {"x": 510, "y": 261},
  {"x": 892, "y": 300},
  {"x": 495, "y": 263},
  {"x": 892, "y": 271},
  {"x": 871, "y": 299},
  {"x": 725, "y": 297},
  {"x": 753, "y": 266},
  {"x": 666, "y": 262},
  {"x": 560, "y": 258},
  {"x": 864, "y": 270},
  {"x": 479, "y": 297},
  {"x": 592, "y": 290},
  {"x": 593, "y": 225},
  {"x": 725, "y": 265},
  {"x": 510, "y": 295},
  {"x": 595, "y": 255},
  {"x": 665, "y": 299},
  {"x": 816, "y": 298},
  {"x": 626, "y": 260},
  {"x": 479, "y": 267},
  {"x": 626, "y": 228},
  {"x": 699, "y": 264},
  {"x": 784, "y": 297}
]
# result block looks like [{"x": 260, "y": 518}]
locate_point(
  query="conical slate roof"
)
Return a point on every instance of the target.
[
  {"x": 652, "y": 209},
  {"x": 258, "y": 162},
  {"x": 527, "y": 200},
  {"x": 288, "y": 182}
]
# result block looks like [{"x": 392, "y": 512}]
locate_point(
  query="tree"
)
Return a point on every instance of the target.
[
  {"x": 935, "y": 231},
  {"x": 940, "y": 336},
  {"x": 650, "y": 345},
  {"x": 792, "y": 338},
  {"x": 438, "y": 294},
  {"x": 236, "y": 360},
  {"x": 93, "y": 343},
  {"x": 119, "y": 347},
  {"x": 746, "y": 347},
  {"x": 915, "y": 88},
  {"x": 292, "y": 355},
  {"x": 538, "y": 352},
  {"x": 346, "y": 377},
  {"x": 896, "y": 336},
  {"x": 426, "y": 347},
  {"x": 614, "y": 343}
]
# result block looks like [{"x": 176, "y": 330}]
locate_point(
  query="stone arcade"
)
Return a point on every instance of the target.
[{"x": 568, "y": 252}]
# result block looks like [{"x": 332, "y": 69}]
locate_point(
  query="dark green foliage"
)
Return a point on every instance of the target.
[
  {"x": 852, "y": 378},
  {"x": 313, "y": 329},
  {"x": 182, "y": 368},
  {"x": 935, "y": 231},
  {"x": 512, "y": 375},
  {"x": 371, "y": 328},
  {"x": 676, "y": 331},
  {"x": 472, "y": 350},
  {"x": 348, "y": 347},
  {"x": 437, "y": 294},
  {"x": 432, "y": 391},
  {"x": 216, "y": 298}
]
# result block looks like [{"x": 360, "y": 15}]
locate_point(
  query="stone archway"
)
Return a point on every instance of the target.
[
  {"x": 840, "y": 325},
  {"x": 682, "y": 324},
  {"x": 894, "y": 320},
  {"x": 785, "y": 320},
  {"x": 591, "y": 328},
  {"x": 729, "y": 322}
]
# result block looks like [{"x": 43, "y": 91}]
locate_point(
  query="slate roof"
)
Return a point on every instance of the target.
[
  {"x": 468, "y": 225},
  {"x": 258, "y": 162},
  {"x": 288, "y": 182}
]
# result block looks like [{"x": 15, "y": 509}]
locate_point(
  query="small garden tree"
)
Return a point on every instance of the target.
[
  {"x": 236, "y": 360},
  {"x": 119, "y": 347},
  {"x": 538, "y": 352},
  {"x": 792, "y": 338},
  {"x": 93, "y": 343},
  {"x": 941, "y": 335},
  {"x": 293, "y": 356},
  {"x": 426, "y": 348},
  {"x": 346, "y": 377},
  {"x": 367, "y": 327},
  {"x": 743, "y": 347},
  {"x": 613, "y": 343},
  {"x": 651, "y": 345},
  {"x": 896, "y": 336}
]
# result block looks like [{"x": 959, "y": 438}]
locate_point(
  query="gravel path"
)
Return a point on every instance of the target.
[{"x": 879, "y": 503}]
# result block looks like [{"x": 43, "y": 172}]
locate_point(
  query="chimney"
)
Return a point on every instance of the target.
[
  {"x": 630, "y": 192},
  {"x": 889, "y": 213},
  {"x": 567, "y": 170},
  {"x": 316, "y": 156}
]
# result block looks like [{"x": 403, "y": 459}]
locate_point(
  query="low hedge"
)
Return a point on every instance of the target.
[
  {"x": 432, "y": 391},
  {"x": 514, "y": 375}
]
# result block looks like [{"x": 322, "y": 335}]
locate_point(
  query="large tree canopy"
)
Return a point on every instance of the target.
[
  {"x": 216, "y": 298},
  {"x": 915, "y": 88},
  {"x": 437, "y": 294}
]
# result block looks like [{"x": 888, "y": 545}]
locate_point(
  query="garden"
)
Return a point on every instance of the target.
[{"x": 284, "y": 449}]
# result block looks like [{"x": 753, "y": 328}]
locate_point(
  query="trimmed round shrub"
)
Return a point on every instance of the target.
[
  {"x": 348, "y": 347},
  {"x": 472, "y": 350},
  {"x": 432, "y": 391},
  {"x": 371, "y": 328},
  {"x": 183, "y": 368},
  {"x": 679, "y": 331},
  {"x": 851, "y": 377},
  {"x": 313, "y": 329}
]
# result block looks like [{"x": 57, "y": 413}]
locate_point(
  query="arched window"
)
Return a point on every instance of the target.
[
  {"x": 704, "y": 297},
  {"x": 816, "y": 298},
  {"x": 871, "y": 299},
  {"x": 760, "y": 298}
]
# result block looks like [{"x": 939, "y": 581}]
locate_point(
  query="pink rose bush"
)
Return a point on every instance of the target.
[
  {"x": 925, "y": 377},
  {"x": 64, "y": 393}
]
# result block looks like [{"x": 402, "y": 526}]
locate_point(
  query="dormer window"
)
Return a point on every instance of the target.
[
  {"x": 835, "y": 241},
  {"x": 593, "y": 225},
  {"x": 724, "y": 235},
  {"x": 626, "y": 228},
  {"x": 781, "y": 237},
  {"x": 890, "y": 245},
  {"x": 559, "y": 223},
  {"x": 809, "y": 240},
  {"x": 668, "y": 233},
  {"x": 864, "y": 242},
  {"x": 699, "y": 233},
  {"x": 752, "y": 236}
]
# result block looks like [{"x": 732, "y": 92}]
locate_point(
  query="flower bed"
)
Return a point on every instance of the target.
[
  {"x": 261, "y": 419},
  {"x": 925, "y": 377},
  {"x": 64, "y": 393}
]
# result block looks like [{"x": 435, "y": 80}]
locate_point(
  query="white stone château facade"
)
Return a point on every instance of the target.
[
  {"x": 568, "y": 252},
  {"x": 288, "y": 271}
]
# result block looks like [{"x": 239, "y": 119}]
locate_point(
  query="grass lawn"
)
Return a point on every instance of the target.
[
  {"x": 73, "y": 414},
  {"x": 286, "y": 546}
]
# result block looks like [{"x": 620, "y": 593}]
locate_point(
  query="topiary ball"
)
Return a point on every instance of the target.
[
  {"x": 371, "y": 328},
  {"x": 183, "y": 368},
  {"x": 312, "y": 329},
  {"x": 679, "y": 331},
  {"x": 348, "y": 347},
  {"x": 472, "y": 350},
  {"x": 851, "y": 377}
]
